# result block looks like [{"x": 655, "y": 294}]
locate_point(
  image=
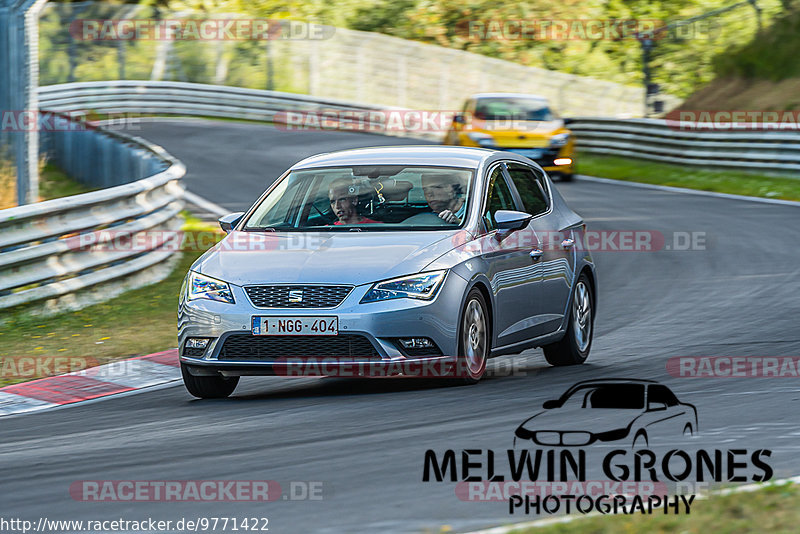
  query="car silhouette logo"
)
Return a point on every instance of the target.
[
  {"x": 295, "y": 295},
  {"x": 617, "y": 409}
]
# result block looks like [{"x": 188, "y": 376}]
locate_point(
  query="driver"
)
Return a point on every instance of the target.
[
  {"x": 343, "y": 195},
  {"x": 444, "y": 193}
]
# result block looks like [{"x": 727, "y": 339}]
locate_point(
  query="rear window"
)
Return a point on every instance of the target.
[{"x": 617, "y": 396}]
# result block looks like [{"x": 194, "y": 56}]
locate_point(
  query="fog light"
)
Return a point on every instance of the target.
[
  {"x": 562, "y": 161},
  {"x": 196, "y": 343},
  {"x": 416, "y": 343}
]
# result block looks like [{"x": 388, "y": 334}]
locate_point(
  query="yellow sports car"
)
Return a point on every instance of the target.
[{"x": 524, "y": 124}]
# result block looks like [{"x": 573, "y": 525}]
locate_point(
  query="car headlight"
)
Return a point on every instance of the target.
[
  {"x": 205, "y": 287},
  {"x": 418, "y": 286},
  {"x": 559, "y": 139},
  {"x": 483, "y": 139}
]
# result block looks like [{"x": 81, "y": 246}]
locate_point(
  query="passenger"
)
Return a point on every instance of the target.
[
  {"x": 444, "y": 193},
  {"x": 343, "y": 194}
]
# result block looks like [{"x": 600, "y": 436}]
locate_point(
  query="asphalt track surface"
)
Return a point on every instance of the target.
[{"x": 365, "y": 440}]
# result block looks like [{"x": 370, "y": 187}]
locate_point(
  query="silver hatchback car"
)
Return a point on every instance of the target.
[{"x": 390, "y": 261}]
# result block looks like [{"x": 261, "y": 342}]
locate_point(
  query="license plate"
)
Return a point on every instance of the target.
[
  {"x": 531, "y": 153},
  {"x": 295, "y": 326}
]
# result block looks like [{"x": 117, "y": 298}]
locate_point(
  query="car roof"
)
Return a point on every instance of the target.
[
  {"x": 509, "y": 95},
  {"x": 423, "y": 155},
  {"x": 601, "y": 381}
]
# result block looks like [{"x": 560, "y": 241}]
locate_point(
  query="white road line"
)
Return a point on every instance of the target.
[{"x": 672, "y": 189}]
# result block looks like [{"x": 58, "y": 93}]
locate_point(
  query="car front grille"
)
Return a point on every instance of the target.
[
  {"x": 297, "y": 296},
  {"x": 343, "y": 346}
]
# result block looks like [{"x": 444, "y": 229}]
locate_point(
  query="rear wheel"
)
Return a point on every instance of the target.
[
  {"x": 473, "y": 344},
  {"x": 566, "y": 177},
  {"x": 208, "y": 387},
  {"x": 573, "y": 348}
]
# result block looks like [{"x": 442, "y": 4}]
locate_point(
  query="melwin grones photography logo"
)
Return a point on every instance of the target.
[{"x": 615, "y": 445}]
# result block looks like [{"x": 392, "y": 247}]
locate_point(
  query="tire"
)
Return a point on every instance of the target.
[
  {"x": 473, "y": 339},
  {"x": 637, "y": 440},
  {"x": 574, "y": 347},
  {"x": 687, "y": 430},
  {"x": 208, "y": 387},
  {"x": 566, "y": 177}
]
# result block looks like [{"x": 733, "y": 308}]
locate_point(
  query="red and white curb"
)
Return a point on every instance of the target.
[{"x": 93, "y": 383}]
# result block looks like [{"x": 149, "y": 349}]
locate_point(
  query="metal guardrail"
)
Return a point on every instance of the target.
[
  {"x": 70, "y": 247},
  {"x": 650, "y": 139},
  {"x": 182, "y": 98},
  {"x": 198, "y": 100},
  {"x": 769, "y": 150}
]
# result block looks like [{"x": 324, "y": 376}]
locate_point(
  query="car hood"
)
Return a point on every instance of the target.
[
  {"x": 322, "y": 257},
  {"x": 593, "y": 420}
]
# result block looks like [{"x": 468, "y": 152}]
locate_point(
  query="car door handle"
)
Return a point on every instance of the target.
[
  {"x": 536, "y": 254},
  {"x": 568, "y": 243}
]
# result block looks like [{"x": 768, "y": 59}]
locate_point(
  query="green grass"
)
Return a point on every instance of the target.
[
  {"x": 733, "y": 182},
  {"x": 141, "y": 321},
  {"x": 774, "y": 509},
  {"x": 54, "y": 183}
]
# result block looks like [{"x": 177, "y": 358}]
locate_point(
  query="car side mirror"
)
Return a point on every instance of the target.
[
  {"x": 230, "y": 220},
  {"x": 549, "y": 405},
  {"x": 508, "y": 221},
  {"x": 656, "y": 406}
]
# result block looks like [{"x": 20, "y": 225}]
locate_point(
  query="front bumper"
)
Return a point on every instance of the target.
[
  {"x": 545, "y": 158},
  {"x": 431, "y": 367},
  {"x": 380, "y": 323}
]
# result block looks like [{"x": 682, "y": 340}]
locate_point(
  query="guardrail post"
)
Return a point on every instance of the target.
[{"x": 19, "y": 56}]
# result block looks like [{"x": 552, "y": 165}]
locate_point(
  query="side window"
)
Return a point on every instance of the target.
[
  {"x": 660, "y": 393},
  {"x": 498, "y": 198},
  {"x": 531, "y": 188}
]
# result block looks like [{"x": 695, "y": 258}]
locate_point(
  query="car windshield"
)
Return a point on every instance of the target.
[
  {"x": 615, "y": 396},
  {"x": 366, "y": 198},
  {"x": 528, "y": 109}
]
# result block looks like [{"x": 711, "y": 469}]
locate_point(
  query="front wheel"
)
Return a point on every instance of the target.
[
  {"x": 473, "y": 343},
  {"x": 573, "y": 348},
  {"x": 208, "y": 387}
]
